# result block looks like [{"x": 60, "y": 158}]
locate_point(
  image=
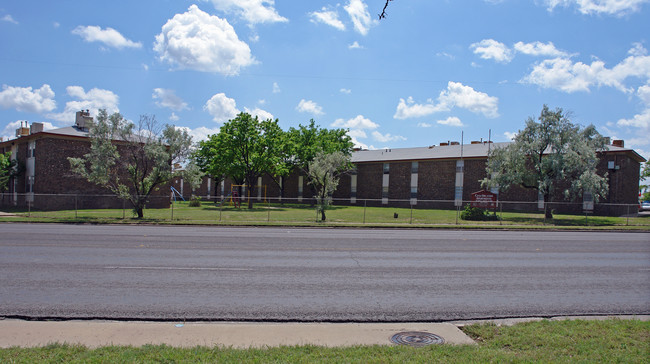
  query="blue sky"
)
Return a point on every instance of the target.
[{"x": 428, "y": 72}]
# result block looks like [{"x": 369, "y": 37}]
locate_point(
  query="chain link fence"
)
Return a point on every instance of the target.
[{"x": 228, "y": 210}]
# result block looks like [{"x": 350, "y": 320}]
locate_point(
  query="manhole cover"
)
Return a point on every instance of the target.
[{"x": 416, "y": 338}]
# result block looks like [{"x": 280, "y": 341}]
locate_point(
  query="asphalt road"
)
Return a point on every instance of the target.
[{"x": 287, "y": 274}]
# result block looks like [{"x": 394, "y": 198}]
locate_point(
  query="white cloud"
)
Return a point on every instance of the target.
[
  {"x": 9, "y": 19},
  {"x": 510, "y": 135},
  {"x": 221, "y": 108},
  {"x": 173, "y": 117},
  {"x": 276, "y": 88},
  {"x": 28, "y": 100},
  {"x": 329, "y": 17},
  {"x": 456, "y": 95},
  {"x": 386, "y": 137},
  {"x": 451, "y": 121},
  {"x": 644, "y": 94},
  {"x": 92, "y": 100},
  {"x": 358, "y": 12},
  {"x": 309, "y": 106},
  {"x": 261, "y": 114},
  {"x": 200, "y": 133},
  {"x": 424, "y": 125},
  {"x": 562, "y": 74},
  {"x": 167, "y": 98},
  {"x": 345, "y": 91},
  {"x": 357, "y": 133},
  {"x": 355, "y": 45},
  {"x": 539, "y": 49},
  {"x": 640, "y": 121},
  {"x": 565, "y": 75},
  {"x": 491, "y": 49},
  {"x": 56, "y": 25},
  {"x": 198, "y": 41},
  {"x": 610, "y": 7},
  {"x": 358, "y": 122},
  {"x": 409, "y": 109},
  {"x": 108, "y": 36},
  {"x": 466, "y": 97},
  {"x": 253, "y": 11}
]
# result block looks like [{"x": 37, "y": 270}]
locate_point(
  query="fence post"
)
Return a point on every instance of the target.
[
  {"x": 123, "y": 209},
  {"x": 627, "y": 222},
  {"x": 220, "y": 209},
  {"x": 365, "y": 202},
  {"x": 172, "y": 210},
  {"x": 501, "y": 212},
  {"x": 268, "y": 210},
  {"x": 75, "y": 206},
  {"x": 411, "y": 214},
  {"x": 29, "y": 208}
]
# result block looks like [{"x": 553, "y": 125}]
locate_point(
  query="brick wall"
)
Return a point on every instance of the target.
[{"x": 52, "y": 175}]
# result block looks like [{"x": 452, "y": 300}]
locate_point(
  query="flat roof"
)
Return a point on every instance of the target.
[{"x": 447, "y": 152}]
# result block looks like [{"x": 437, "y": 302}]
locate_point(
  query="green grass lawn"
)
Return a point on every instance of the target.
[
  {"x": 296, "y": 214},
  {"x": 610, "y": 341}
]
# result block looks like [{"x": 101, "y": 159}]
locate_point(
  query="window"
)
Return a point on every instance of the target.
[
  {"x": 386, "y": 168},
  {"x": 414, "y": 167}
]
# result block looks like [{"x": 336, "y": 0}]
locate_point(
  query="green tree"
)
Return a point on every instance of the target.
[
  {"x": 7, "y": 170},
  {"x": 644, "y": 190},
  {"x": 193, "y": 175},
  {"x": 244, "y": 149},
  {"x": 308, "y": 141},
  {"x": 550, "y": 155},
  {"x": 131, "y": 161},
  {"x": 324, "y": 173}
]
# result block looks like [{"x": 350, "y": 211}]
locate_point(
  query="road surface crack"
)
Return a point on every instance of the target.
[{"x": 355, "y": 260}]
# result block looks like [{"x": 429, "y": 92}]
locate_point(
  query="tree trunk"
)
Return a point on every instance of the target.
[
  {"x": 140, "y": 211},
  {"x": 548, "y": 213},
  {"x": 250, "y": 191},
  {"x": 322, "y": 213}
]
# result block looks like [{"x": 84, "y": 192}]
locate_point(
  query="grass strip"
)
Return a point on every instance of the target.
[
  {"x": 350, "y": 216},
  {"x": 608, "y": 341}
]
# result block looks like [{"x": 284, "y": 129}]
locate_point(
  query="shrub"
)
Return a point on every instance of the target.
[
  {"x": 195, "y": 201},
  {"x": 477, "y": 214}
]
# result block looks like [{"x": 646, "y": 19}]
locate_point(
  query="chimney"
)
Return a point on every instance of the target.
[
  {"x": 454, "y": 143},
  {"x": 23, "y": 130},
  {"x": 36, "y": 128},
  {"x": 476, "y": 142},
  {"x": 618, "y": 143},
  {"x": 82, "y": 118}
]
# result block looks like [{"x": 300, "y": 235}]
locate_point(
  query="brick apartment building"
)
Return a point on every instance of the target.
[
  {"x": 440, "y": 176},
  {"x": 46, "y": 181}
]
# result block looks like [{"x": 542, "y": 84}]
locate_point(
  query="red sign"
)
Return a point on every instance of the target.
[{"x": 484, "y": 199}]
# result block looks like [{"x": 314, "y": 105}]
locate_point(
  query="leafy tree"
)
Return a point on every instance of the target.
[
  {"x": 644, "y": 190},
  {"x": 324, "y": 173},
  {"x": 550, "y": 155},
  {"x": 310, "y": 140},
  {"x": 193, "y": 175},
  {"x": 131, "y": 161},
  {"x": 245, "y": 149},
  {"x": 7, "y": 170}
]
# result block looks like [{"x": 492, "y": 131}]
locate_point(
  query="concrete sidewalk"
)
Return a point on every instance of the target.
[{"x": 237, "y": 335}]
